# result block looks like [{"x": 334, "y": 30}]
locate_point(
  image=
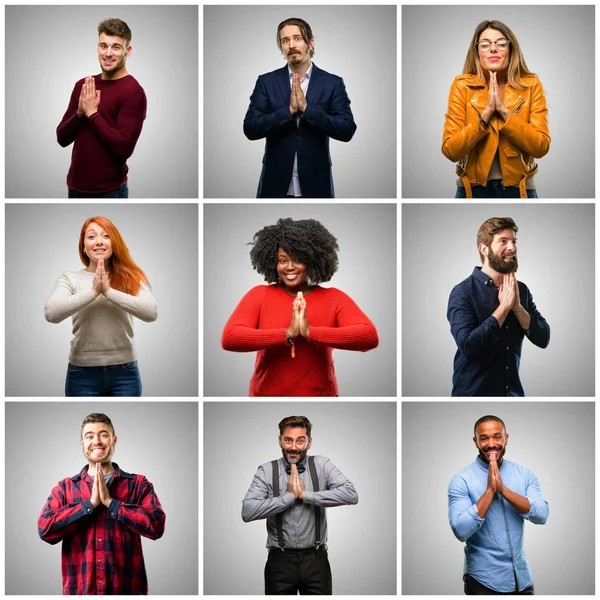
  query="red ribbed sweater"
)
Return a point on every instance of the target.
[{"x": 259, "y": 323}]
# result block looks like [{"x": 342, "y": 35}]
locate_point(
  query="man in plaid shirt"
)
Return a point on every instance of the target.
[{"x": 100, "y": 514}]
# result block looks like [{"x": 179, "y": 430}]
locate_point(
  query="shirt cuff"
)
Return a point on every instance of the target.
[
  {"x": 88, "y": 507},
  {"x": 288, "y": 499},
  {"x": 309, "y": 497},
  {"x": 475, "y": 514},
  {"x": 113, "y": 508}
]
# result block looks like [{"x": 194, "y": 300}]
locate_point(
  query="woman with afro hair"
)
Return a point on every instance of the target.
[{"x": 293, "y": 323}]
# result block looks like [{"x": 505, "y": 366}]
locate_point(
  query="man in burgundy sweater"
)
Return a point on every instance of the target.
[{"x": 104, "y": 119}]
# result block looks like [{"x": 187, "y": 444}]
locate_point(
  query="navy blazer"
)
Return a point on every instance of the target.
[{"x": 327, "y": 115}]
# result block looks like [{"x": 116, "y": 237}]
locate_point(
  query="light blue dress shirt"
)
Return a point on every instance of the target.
[{"x": 494, "y": 545}]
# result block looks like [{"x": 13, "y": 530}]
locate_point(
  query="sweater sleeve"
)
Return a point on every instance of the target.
[
  {"x": 122, "y": 138},
  {"x": 241, "y": 332},
  {"x": 353, "y": 329},
  {"x": 143, "y": 306},
  {"x": 69, "y": 126},
  {"x": 64, "y": 302}
]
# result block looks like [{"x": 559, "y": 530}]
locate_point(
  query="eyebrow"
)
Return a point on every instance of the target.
[
  {"x": 101, "y": 431},
  {"x": 488, "y": 40}
]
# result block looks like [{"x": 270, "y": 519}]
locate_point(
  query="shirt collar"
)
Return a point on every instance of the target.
[
  {"x": 484, "y": 465},
  {"x": 480, "y": 276},
  {"x": 83, "y": 474},
  {"x": 307, "y": 74}
]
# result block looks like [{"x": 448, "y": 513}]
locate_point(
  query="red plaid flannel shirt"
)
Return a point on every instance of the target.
[{"x": 102, "y": 548}]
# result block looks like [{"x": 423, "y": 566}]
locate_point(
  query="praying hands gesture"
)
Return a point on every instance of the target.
[
  {"x": 495, "y": 101},
  {"x": 100, "y": 284},
  {"x": 89, "y": 98},
  {"x": 297, "y": 99},
  {"x": 100, "y": 493},
  {"x": 494, "y": 480},
  {"x": 299, "y": 324},
  {"x": 295, "y": 485}
]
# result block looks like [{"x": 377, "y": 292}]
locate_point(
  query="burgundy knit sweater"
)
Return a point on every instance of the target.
[
  {"x": 105, "y": 141},
  {"x": 260, "y": 320}
]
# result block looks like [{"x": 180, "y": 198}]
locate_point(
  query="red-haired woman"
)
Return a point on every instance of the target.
[{"x": 101, "y": 299}]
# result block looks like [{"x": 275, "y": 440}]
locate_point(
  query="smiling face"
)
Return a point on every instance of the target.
[
  {"x": 293, "y": 275},
  {"x": 112, "y": 54},
  {"x": 493, "y": 59},
  {"x": 491, "y": 440},
  {"x": 294, "y": 444},
  {"x": 293, "y": 46},
  {"x": 501, "y": 254},
  {"x": 96, "y": 244},
  {"x": 98, "y": 443}
]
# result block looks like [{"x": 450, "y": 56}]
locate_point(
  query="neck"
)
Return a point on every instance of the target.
[
  {"x": 300, "y": 68},
  {"x": 500, "y": 76},
  {"x": 107, "y": 468},
  {"x": 305, "y": 289},
  {"x": 492, "y": 274}
]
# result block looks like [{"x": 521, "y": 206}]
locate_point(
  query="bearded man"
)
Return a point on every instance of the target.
[
  {"x": 488, "y": 503},
  {"x": 99, "y": 515},
  {"x": 490, "y": 313}
]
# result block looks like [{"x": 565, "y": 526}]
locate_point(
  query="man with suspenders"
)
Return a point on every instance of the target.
[{"x": 291, "y": 494}]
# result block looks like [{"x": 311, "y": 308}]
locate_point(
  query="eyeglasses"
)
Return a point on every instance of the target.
[{"x": 486, "y": 45}]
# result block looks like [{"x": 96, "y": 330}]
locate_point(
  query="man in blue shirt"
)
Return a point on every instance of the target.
[
  {"x": 488, "y": 502},
  {"x": 490, "y": 313}
]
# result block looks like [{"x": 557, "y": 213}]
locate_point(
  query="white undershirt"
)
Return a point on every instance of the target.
[{"x": 294, "y": 189}]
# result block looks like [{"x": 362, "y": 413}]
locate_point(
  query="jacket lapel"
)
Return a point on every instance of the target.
[
  {"x": 283, "y": 84},
  {"x": 314, "y": 85}
]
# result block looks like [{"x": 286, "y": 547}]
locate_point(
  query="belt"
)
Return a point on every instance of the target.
[{"x": 321, "y": 548}]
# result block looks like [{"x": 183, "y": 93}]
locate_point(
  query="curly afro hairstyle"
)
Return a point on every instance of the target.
[{"x": 305, "y": 240}]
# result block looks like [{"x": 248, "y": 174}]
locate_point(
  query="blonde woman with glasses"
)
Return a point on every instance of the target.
[{"x": 496, "y": 124}]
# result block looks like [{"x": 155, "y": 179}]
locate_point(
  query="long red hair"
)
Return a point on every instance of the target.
[{"x": 123, "y": 274}]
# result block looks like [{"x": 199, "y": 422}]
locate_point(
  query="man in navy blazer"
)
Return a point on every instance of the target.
[{"x": 297, "y": 109}]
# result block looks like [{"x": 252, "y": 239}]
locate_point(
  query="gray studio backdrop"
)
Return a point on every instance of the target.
[
  {"x": 366, "y": 235},
  {"x": 359, "y": 438},
  {"x": 555, "y": 41},
  {"x": 156, "y": 439},
  {"x": 555, "y": 440},
  {"x": 49, "y": 48},
  {"x": 357, "y": 43},
  {"x": 556, "y": 262},
  {"x": 41, "y": 244}
]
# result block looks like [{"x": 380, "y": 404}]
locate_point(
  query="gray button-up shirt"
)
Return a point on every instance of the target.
[{"x": 298, "y": 520}]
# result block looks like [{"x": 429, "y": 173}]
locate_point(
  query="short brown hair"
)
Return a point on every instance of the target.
[
  {"x": 295, "y": 422},
  {"x": 115, "y": 27},
  {"x": 305, "y": 31},
  {"x": 490, "y": 228},
  {"x": 97, "y": 418}
]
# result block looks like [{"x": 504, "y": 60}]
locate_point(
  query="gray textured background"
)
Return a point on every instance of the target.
[
  {"x": 555, "y": 41},
  {"x": 41, "y": 244},
  {"x": 556, "y": 261},
  {"x": 366, "y": 234},
  {"x": 555, "y": 440},
  {"x": 360, "y": 439},
  {"x": 49, "y": 48},
  {"x": 357, "y": 43},
  {"x": 156, "y": 439}
]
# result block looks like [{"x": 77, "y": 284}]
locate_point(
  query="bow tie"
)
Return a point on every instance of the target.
[{"x": 301, "y": 468}]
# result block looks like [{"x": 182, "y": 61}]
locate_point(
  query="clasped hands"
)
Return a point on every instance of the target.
[
  {"x": 508, "y": 293},
  {"x": 495, "y": 101},
  {"x": 297, "y": 99},
  {"x": 100, "y": 493},
  {"x": 299, "y": 324},
  {"x": 295, "y": 485},
  {"x": 101, "y": 284},
  {"x": 89, "y": 98},
  {"x": 494, "y": 480}
]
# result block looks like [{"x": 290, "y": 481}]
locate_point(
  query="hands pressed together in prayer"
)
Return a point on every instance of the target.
[
  {"x": 494, "y": 480},
  {"x": 508, "y": 293},
  {"x": 100, "y": 493},
  {"x": 297, "y": 99},
  {"x": 89, "y": 98},
  {"x": 295, "y": 485},
  {"x": 299, "y": 324},
  {"x": 100, "y": 284},
  {"x": 495, "y": 101}
]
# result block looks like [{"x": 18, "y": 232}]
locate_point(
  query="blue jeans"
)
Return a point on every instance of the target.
[
  {"x": 494, "y": 189},
  {"x": 113, "y": 380},
  {"x": 122, "y": 192}
]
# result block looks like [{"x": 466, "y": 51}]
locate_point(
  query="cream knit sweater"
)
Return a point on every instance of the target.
[{"x": 102, "y": 326}]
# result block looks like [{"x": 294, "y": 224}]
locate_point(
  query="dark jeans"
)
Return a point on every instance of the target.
[
  {"x": 113, "y": 380},
  {"x": 494, "y": 189},
  {"x": 473, "y": 588},
  {"x": 122, "y": 192},
  {"x": 292, "y": 571}
]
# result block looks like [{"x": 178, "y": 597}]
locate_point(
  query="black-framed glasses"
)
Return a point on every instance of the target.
[{"x": 501, "y": 44}]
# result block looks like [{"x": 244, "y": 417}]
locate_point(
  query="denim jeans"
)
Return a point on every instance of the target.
[
  {"x": 122, "y": 192},
  {"x": 494, "y": 189},
  {"x": 474, "y": 588},
  {"x": 112, "y": 380}
]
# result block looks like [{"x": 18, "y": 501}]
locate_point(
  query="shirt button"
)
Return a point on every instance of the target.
[
  {"x": 507, "y": 368},
  {"x": 296, "y": 524},
  {"x": 99, "y": 539},
  {"x": 99, "y": 581},
  {"x": 99, "y": 560},
  {"x": 506, "y": 387},
  {"x": 507, "y": 347},
  {"x": 89, "y": 510}
]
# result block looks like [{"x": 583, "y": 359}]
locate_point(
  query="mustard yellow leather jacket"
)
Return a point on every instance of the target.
[{"x": 521, "y": 138}]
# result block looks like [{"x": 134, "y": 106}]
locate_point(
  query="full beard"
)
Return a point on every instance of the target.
[
  {"x": 499, "y": 455},
  {"x": 296, "y": 459},
  {"x": 502, "y": 267}
]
